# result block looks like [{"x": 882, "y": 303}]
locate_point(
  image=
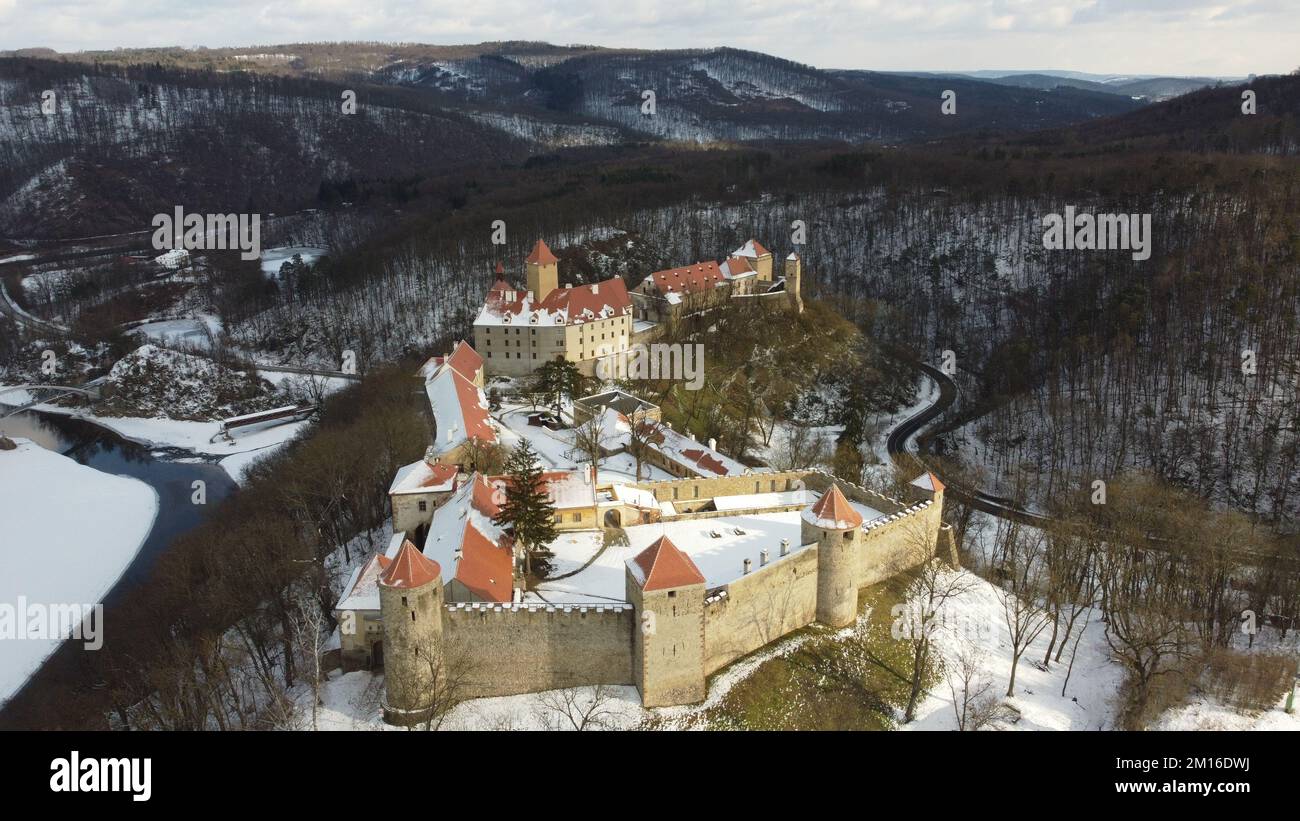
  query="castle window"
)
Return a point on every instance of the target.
[
  {"x": 848, "y": 534},
  {"x": 424, "y": 506},
  {"x": 672, "y": 594},
  {"x": 403, "y": 601}
]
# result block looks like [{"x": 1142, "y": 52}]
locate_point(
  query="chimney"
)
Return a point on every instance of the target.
[
  {"x": 785, "y": 547},
  {"x": 748, "y": 563},
  {"x": 568, "y": 286},
  {"x": 762, "y": 558},
  {"x": 713, "y": 443},
  {"x": 595, "y": 287}
]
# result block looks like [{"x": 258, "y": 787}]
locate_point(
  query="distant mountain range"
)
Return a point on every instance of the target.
[
  {"x": 137, "y": 131},
  {"x": 1148, "y": 88}
]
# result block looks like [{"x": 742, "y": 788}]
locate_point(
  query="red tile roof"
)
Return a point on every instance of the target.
[
  {"x": 542, "y": 254},
  {"x": 410, "y": 569},
  {"x": 753, "y": 246},
  {"x": 664, "y": 566},
  {"x": 472, "y": 412},
  {"x": 928, "y": 481},
  {"x": 464, "y": 360},
  {"x": 581, "y": 299},
  {"x": 689, "y": 279},
  {"x": 440, "y": 474},
  {"x": 834, "y": 512},
  {"x": 705, "y": 460},
  {"x": 484, "y": 497},
  {"x": 578, "y": 304},
  {"x": 487, "y": 570}
]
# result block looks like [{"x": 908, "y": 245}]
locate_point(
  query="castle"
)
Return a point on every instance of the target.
[
  {"x": 655, "y": 583},
  {"x": 519, "y": 329},
  {"x": 714, "y": 569}
]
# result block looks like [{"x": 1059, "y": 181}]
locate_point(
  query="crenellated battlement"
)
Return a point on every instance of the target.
[{"x": 533, "y": 607}]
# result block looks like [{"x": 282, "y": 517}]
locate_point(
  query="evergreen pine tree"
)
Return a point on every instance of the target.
[{"x": 527, "y": 508}]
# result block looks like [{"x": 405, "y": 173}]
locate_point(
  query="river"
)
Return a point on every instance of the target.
[{"x": 170, "y": 472}]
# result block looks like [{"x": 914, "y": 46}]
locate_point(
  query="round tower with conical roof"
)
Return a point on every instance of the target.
[
  {"x": 410, "y": 604},
  {"x": 836, "y": 527}
]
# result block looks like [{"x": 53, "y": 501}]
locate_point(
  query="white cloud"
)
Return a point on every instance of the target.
[{"x": 1226, "y": 37}]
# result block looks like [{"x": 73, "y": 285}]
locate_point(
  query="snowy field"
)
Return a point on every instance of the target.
[
  {"x": 56, "y": 548},
  {"x": 196, "y": 332}
]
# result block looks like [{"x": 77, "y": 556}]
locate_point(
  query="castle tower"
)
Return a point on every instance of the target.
[
  {"x": 927, "y": 488},
  {"x": 794, "y": 279},
  {"x": 667, "y": 592},
  {"x": 541, "y": 271},
  {"x": 836, "y": 528},
  {"x": 410, "y": 604}
]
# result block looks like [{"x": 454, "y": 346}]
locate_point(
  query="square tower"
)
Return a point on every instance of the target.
[
  {"x": 666, "y": 590},
  {"x": 541, "y": 271}
]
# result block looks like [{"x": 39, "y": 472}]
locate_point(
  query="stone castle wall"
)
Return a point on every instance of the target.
[
  {"x": 510, "y": 649},
  {"x": 507, "y": 649},
  {"x": 760, "y": 608},
  {"x": 898, "y": 544},
  {"x": 703, "y": 489}
]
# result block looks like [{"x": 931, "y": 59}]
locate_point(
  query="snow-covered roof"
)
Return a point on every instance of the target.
[
  {"x": 928, "y": 481},
  {"x": 173, "y": 258},
  {"x": 753, "y": 501},
  {"x": 688, "y": 279},
  {"x": 460, "y": 409},
  {"x": 409, "y": 569},
  {"x": 463, "y": 541},
  {"x": 696, "y": 457},
  {"x": 506, "y": 305},
  {"x": 738, "y": 268},
  {"x": 635, "y": 496},
  {"x": 423, "y": 477},
  {"x": 719, "y": 560},
  {"x": 662, "y": 566},
  {"x": 463, "y": 359},
  {"x": 566, "y": 489},
  {"x": 751, "y": 249},
  {"x": 362, "y": 590},
  {"x": 833, "y": 512}
]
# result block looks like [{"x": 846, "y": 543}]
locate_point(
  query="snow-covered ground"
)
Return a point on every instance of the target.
[
  {"x": 67, "y": 532},
  {"x": 246, "y": 445},
  {"x": 720, "y": 559},
  {"x": 195, "y": 332},
  {"x": 975, "y": 624},
  {"x": 558, "y": 451}
]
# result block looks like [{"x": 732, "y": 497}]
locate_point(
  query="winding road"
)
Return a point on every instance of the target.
[{"x": 900, "y": 436}]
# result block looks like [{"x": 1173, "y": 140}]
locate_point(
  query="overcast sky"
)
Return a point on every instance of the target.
[{"x": 1228, "y": 37}]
